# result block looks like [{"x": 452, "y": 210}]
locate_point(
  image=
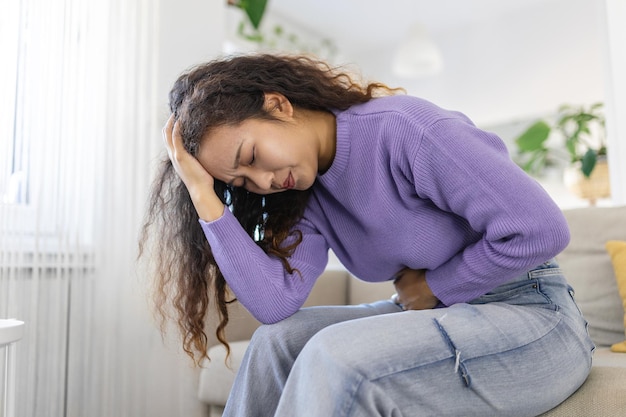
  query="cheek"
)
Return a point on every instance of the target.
[{"x": 305, "y": 179}]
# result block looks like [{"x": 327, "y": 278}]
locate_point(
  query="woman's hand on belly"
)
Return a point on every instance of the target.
[{"x": 413, "y": 290}]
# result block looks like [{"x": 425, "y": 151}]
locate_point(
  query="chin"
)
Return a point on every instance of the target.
[{"x": 303, "y": 185}]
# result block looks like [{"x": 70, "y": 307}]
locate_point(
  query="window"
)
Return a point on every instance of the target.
[
  {"x": 52, "y": 90},
  {"x": 13, "y": 160}
]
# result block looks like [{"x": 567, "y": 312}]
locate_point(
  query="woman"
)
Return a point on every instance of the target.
[{"x": 275, "y": 159}]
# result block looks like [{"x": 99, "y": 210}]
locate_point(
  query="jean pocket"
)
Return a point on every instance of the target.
[
  {"x": 545, "y": 271},
  {"x": 522, "y": 293}
]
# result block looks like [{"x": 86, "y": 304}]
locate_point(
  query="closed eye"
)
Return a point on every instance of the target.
[{"x": 253, "y": 156}]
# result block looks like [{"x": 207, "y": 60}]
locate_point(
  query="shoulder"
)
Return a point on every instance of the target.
[
  {"x": 402, "y": 109},
  {"x": 392, "y": 104}
]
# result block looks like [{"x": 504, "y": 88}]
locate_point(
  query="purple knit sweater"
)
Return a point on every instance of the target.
[{"x": 411, "y": 185}]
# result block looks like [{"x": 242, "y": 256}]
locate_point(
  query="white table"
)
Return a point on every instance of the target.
[{"x": 11, "y": 331}]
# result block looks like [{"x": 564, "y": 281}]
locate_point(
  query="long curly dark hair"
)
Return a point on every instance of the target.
[{"x": 226, "y": 92}]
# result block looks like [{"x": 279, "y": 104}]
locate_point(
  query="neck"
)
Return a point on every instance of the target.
[{"x": 327, "y": 136}]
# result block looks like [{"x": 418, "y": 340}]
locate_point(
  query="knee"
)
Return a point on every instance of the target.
[
  {"x": 270, "y": 336},
  {"x": 286, "y": 336},
  {"x": 330, "y": 348}
]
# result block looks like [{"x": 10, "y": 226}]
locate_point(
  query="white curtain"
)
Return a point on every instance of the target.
[{"x": 78, "y": 136}]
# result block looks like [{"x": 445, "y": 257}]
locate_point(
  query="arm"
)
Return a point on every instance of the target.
[
  {"x": 260, "y": 282},
  {"x": 468, "y": 172},
  {"x": 198, "y": 181}
]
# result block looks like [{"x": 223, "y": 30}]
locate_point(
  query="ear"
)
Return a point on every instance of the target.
[{"x": 278, "y": 105}]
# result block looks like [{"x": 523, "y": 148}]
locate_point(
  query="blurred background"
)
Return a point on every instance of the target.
[{"x": 83, "y": 96}]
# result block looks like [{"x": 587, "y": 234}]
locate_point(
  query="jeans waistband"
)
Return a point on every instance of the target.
[{"x": 546, "y": 269}]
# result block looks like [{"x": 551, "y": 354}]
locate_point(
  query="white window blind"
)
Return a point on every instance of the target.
[{"x": 78, "y": 133}]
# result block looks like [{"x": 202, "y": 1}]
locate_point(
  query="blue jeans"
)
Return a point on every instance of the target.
[{"x": 518, "y": 351}]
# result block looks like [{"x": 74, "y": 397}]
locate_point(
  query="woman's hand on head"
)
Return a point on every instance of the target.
[
  {"x": 198, "y": 181},
  {"x": 413, "y": 292}
]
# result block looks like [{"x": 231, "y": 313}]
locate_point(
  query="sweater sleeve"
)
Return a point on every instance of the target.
[
  {"x": 260, "y": 281},
  {"x": 468, "y": 172}
]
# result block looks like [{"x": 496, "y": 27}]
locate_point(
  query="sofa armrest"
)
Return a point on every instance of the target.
[
  {"x": 217, "y": 376},
  {"x": 588, "y": 269}
]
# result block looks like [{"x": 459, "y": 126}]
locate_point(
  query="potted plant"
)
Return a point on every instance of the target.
[
  {"x": 581, "y": 133},
  {"x": 575, "y": 138}
]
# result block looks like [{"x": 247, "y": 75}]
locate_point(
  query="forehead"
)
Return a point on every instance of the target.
[
  {"x": 219, "y": 149},
  {"x": 232, "y": 134},
  {"x": 222, "y": 137}
]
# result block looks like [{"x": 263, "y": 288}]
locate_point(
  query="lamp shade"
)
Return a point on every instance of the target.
[{"x": 417, "y": 55}]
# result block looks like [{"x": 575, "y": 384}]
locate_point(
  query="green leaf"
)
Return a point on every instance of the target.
[
  {"x": 254, "y": 36},
  {"x": 534, "y": 137},
  {"x": 536, "y": 162},
  {"x": 596, "y": 106},
  {"x": 255, "y": 9},
  {"x": 570, "y": 145},
  {"x": 589, "y": 162}
]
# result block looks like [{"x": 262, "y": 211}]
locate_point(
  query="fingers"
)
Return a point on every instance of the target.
[
  {"x": 413, "y": 290},
  {"x": 166, "y": 132},
  {"x": 173, "y": 139},
  {"x": 177, "y": 141},
  {"x": 395, "y": 298}
]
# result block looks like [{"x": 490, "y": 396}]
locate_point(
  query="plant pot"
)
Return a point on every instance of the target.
[{"x": 593, "y": 188}]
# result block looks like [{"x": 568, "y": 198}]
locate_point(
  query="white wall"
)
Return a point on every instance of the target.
[
  {"x": 526, "y": 65},
  {"x": 616, "y": 97},
  {"x": 521, "y": 65},
  {"x": 190, "y": 32}
]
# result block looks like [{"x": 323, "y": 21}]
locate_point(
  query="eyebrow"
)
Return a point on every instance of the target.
[
  {"x": 236, "y": 162},
  {"x": 237, "y": 155}
]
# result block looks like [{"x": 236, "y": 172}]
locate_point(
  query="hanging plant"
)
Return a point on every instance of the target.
[
  {"x": 254, "y": 9},
  {"x": 277, "y": 38}
]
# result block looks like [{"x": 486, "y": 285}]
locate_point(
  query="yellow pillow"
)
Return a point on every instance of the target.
[{"x": 617, "y": 250}]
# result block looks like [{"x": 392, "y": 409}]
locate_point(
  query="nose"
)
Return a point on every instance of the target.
[{"x": 262, "y": 180}]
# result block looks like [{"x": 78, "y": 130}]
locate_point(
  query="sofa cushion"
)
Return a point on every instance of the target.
[
  {"x": 587, "y": 267},
  {"x": 617, "y": 250},
  {"x": 602, "y": 394},
  {"x": 362, "y": 292},
  {"x": 604, "y": 357}
]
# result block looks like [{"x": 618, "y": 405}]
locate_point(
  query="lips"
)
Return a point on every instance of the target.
[{"x": 289, "y": 182}]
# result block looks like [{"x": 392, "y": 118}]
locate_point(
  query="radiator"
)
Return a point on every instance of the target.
[{"x": 44, "y": 290}]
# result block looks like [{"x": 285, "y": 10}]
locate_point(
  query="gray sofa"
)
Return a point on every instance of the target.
[{"x": 588, "y": 269}]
